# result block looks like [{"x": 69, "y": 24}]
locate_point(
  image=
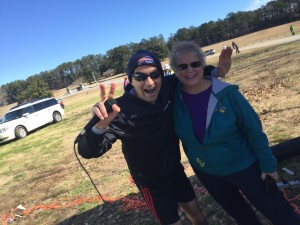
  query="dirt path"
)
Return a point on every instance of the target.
[
  {"x": 272, "y": 42},
  {"x": 265, "y": 44}
]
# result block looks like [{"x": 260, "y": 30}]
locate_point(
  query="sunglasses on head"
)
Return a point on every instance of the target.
[
  {"x": 138, "y": 76},
  {"x": 184, "y": 66}
]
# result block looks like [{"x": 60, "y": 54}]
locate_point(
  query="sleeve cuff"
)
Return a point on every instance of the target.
[
  {"x": 98, "y": 131},
  {"x": 214, "y": 72}
]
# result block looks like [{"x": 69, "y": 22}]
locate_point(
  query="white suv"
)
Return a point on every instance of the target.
[{"x": 23, "y": 118}]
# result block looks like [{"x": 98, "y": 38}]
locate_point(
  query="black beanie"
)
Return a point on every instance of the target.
[{"x": 141, "y": 58}]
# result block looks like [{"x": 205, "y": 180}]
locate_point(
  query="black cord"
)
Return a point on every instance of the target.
[{"x": 104, "y": 202}]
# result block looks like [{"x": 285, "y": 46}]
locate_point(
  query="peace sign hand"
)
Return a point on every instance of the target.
[{"x": 100, "y": 110}]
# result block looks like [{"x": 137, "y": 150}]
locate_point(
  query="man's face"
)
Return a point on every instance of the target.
[{"x": 148, "y": 89}]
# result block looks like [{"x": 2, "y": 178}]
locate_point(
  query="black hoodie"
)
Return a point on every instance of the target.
[{"x": 149, "y": 144}]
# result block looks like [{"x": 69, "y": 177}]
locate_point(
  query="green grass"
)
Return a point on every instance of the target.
[
  {"x": 87, "y": 206},
  {"x": 18, "y": 177}
]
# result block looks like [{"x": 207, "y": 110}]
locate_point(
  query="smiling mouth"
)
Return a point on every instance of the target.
[
  {"x": 151, "y": 91},
  {"x": 190, "y": 76}
]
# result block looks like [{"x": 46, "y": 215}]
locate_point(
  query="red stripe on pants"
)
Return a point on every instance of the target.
[{"x": 149, "y": 202}]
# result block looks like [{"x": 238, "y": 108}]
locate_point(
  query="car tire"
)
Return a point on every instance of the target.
[
  {"x": 20, "y": 132},
  {"x": 57, "y": 117}
]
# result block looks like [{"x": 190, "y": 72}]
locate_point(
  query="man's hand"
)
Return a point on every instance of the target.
[
  {"x": 224, "y": 61},
  {"x": 100, "y": 110}
]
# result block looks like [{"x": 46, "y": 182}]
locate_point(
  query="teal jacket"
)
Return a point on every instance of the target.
[{"x": 234, "y": 138}]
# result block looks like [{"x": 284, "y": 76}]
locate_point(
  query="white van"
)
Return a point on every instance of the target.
[{"x": 23, "y": 118}]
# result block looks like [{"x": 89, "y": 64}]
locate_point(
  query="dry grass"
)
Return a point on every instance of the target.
[{"x": 258, "y": 37}]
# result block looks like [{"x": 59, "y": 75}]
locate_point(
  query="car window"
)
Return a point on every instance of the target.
[
  {"x": 12, "y": 115},
  {"x": 28, "y": 109},
  {"x": 50, "y": 102},
  {"x": 38, "y": 106}
]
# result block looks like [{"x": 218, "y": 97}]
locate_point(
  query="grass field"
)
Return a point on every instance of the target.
[{"x": 42, "y": 173}]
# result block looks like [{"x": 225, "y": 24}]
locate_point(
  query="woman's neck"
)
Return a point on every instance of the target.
[{"x": 197, "y": 88}]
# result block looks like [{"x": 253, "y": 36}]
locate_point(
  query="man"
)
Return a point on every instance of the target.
[
  {"x": 236, "y": 47},
  {"x": 142, "y": 120},
  {"x": 292, "y": 29}
]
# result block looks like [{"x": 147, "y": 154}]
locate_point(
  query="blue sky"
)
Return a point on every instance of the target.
[{"x": 39, "y": 35}]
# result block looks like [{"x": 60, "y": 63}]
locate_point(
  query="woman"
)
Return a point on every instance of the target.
[{"x": 223, "y": 139}]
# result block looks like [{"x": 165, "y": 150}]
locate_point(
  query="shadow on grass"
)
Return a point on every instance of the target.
[{"x": 131, "y": 210}]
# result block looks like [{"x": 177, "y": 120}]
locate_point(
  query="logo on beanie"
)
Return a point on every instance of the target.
[{"x": 145, "y": 60}]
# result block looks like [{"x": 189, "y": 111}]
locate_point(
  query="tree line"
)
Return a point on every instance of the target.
[{"x": 95, "y": 67}]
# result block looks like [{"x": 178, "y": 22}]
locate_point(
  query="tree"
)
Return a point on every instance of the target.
[
  {"x": 14, "y": 89},
  {"x": 53, "y": 81},
  {"x": 133, "y": 47},
  {"x": 66, "y": 73},
  {"x": 95, "y": 63},
  {"x": 118, "y": 58},
  {"x": 3, "y": 97},
  {"x": 156, "y": 45},
  {"x": 35, "y": 88},
  {"x": 88, "y": 75}
]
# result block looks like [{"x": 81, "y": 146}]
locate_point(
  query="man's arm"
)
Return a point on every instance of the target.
[
  {"x": 98, "y": 140},
  {"x": 93, "y": 145}
]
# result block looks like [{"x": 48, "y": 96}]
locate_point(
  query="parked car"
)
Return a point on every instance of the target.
[
  {"x": 26, "y": 117},
  {"x": 209, "y": 52}
]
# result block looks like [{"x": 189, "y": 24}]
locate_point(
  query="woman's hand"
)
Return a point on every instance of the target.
[
  {"x": 274, "y": 175},
  {"x": 224, "y": 61}
]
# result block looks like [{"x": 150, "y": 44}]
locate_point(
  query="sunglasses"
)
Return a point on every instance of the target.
[
  {"x": 184, "y": 66},
  {"x": 143, "y": 76}
]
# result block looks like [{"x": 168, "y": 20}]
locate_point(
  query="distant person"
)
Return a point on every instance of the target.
[
  {"x": 125, "y": 82},
  {"x": 236, "y": 47},
  {"x": 292, "y": 29},
  {"x": 167, "y": 70}
]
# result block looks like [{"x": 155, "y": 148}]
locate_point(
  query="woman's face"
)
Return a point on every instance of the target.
[{"x": 188, "y": 69}]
